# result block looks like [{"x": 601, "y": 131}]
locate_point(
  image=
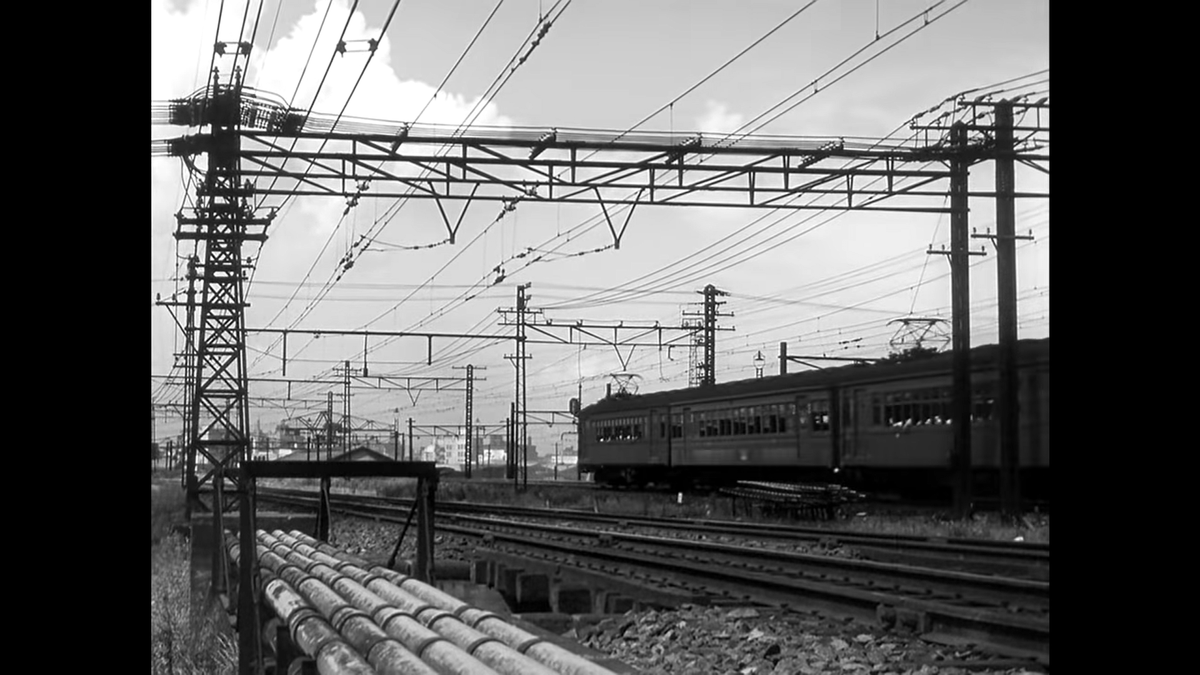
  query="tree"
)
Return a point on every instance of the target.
[{"x": 914, "y": 353}]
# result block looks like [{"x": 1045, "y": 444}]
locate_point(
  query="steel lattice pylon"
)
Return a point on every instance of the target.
[{"x": 220, "y": 222}]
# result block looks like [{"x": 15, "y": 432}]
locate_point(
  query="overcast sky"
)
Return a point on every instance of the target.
[{"x": 603, "y": 64}]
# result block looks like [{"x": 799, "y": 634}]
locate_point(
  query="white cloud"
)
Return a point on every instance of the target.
[
  {"x": 181, "y": 50},
  {"x": 718, "y": 120}
]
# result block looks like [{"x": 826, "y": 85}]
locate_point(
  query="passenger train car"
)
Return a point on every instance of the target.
[{"x": 883, "y": 426}]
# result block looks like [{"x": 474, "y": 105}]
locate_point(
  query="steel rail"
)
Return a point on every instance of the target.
[
  {"x": 1031, "y": 552},
  {"x": 1000, "y": 590}
]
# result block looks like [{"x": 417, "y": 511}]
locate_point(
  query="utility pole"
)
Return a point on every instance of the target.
[
  {"x": 510, "y": 452},
  {"x": 396, "y": 436},
  {"x": 329, "y": 427},
  {"x": 346, "y": 410},
  {"x": 694, "y": 368},
  {"x": 188, "y": 463},
  {"x": 960, "y": 322},
  {"x": 470, "y": 445},
  {"x": 707, "y": 333},
  {"x": 410, "y": 439},
  {"x": 469, "y": 460},
  {"x": 1006, "y": 288},
  {"x": 520, "y": 416},
  {"x": 960, "y": 291}
]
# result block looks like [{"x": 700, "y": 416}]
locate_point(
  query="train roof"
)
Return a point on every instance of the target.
[{"x": 981, "y": 357}]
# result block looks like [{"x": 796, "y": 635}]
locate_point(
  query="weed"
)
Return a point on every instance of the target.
[{"x": 182, "y": 643}]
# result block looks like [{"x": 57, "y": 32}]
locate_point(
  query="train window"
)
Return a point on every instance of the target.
[
  {"x": 820, "y": 415},
  {"x": 782, "y": 428},
  {"x": 982, "y": 405}
]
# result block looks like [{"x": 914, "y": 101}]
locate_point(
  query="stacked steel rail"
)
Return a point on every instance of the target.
[
  {"x": 349, "y": 616},
  {"x": 820, "y": 501}
]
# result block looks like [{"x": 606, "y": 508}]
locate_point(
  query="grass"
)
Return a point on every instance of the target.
[
  {"x": 1033, "y": 527},
  {"x": 180, "y": 643},
  {"x": 166, "y": 508}
]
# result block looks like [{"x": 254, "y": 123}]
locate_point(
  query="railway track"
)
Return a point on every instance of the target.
[
  {"x": 1008, "y": 614},
  {"x": 1013, "y": 559}
]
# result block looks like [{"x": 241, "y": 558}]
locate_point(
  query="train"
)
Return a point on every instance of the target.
[{"x": 882, "y": 427}]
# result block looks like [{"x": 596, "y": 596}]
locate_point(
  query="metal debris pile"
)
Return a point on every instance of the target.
[
  {"x": 749, "y": 641},
  {"x": 819, "y": 502}
]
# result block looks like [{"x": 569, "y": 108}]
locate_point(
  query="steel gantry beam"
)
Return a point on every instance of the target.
[{"x": 377, "y": 159}]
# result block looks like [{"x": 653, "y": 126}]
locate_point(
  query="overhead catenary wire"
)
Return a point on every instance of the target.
[{"x": 480, "y": 106}]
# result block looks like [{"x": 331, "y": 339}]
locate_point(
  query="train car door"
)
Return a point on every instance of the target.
[
  {"x": 849, "y": 425},
  {"x": 679, "y": 445},
  {"x": 657, "y": 437},
  {"x": 814, "y": 423},
  {"x": 799, "y": 420}
]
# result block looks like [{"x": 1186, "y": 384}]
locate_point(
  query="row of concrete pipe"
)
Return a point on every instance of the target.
[{"x": 352, "y": 617}]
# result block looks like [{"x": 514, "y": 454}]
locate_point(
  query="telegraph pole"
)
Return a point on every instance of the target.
[
  {"x": 346, "y": 409},
  {"x": 396, "y": 436},
  {"x": 469, "y": 462},
  {"x": 960, "y": 291},
  {"x": 329, "y": 427},
  {"x": 510, "y": 445},
  {"x": 470, "y": 416},
  {"x": 520, "y": 417},
  {"x": 1006, "y": 287},
  {"x": 410, "y": 439},
  {"x": 708, "y": 333},
  {"x": 188, "y": 478}
]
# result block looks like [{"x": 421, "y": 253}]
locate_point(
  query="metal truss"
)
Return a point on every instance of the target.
[{"x": 364, "y": 159}]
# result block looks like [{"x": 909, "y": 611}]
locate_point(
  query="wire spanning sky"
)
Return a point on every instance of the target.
[{"x": 827, "y": 283}]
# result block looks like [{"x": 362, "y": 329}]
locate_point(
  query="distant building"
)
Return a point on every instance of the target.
[{"x": 291, "y": 434}]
